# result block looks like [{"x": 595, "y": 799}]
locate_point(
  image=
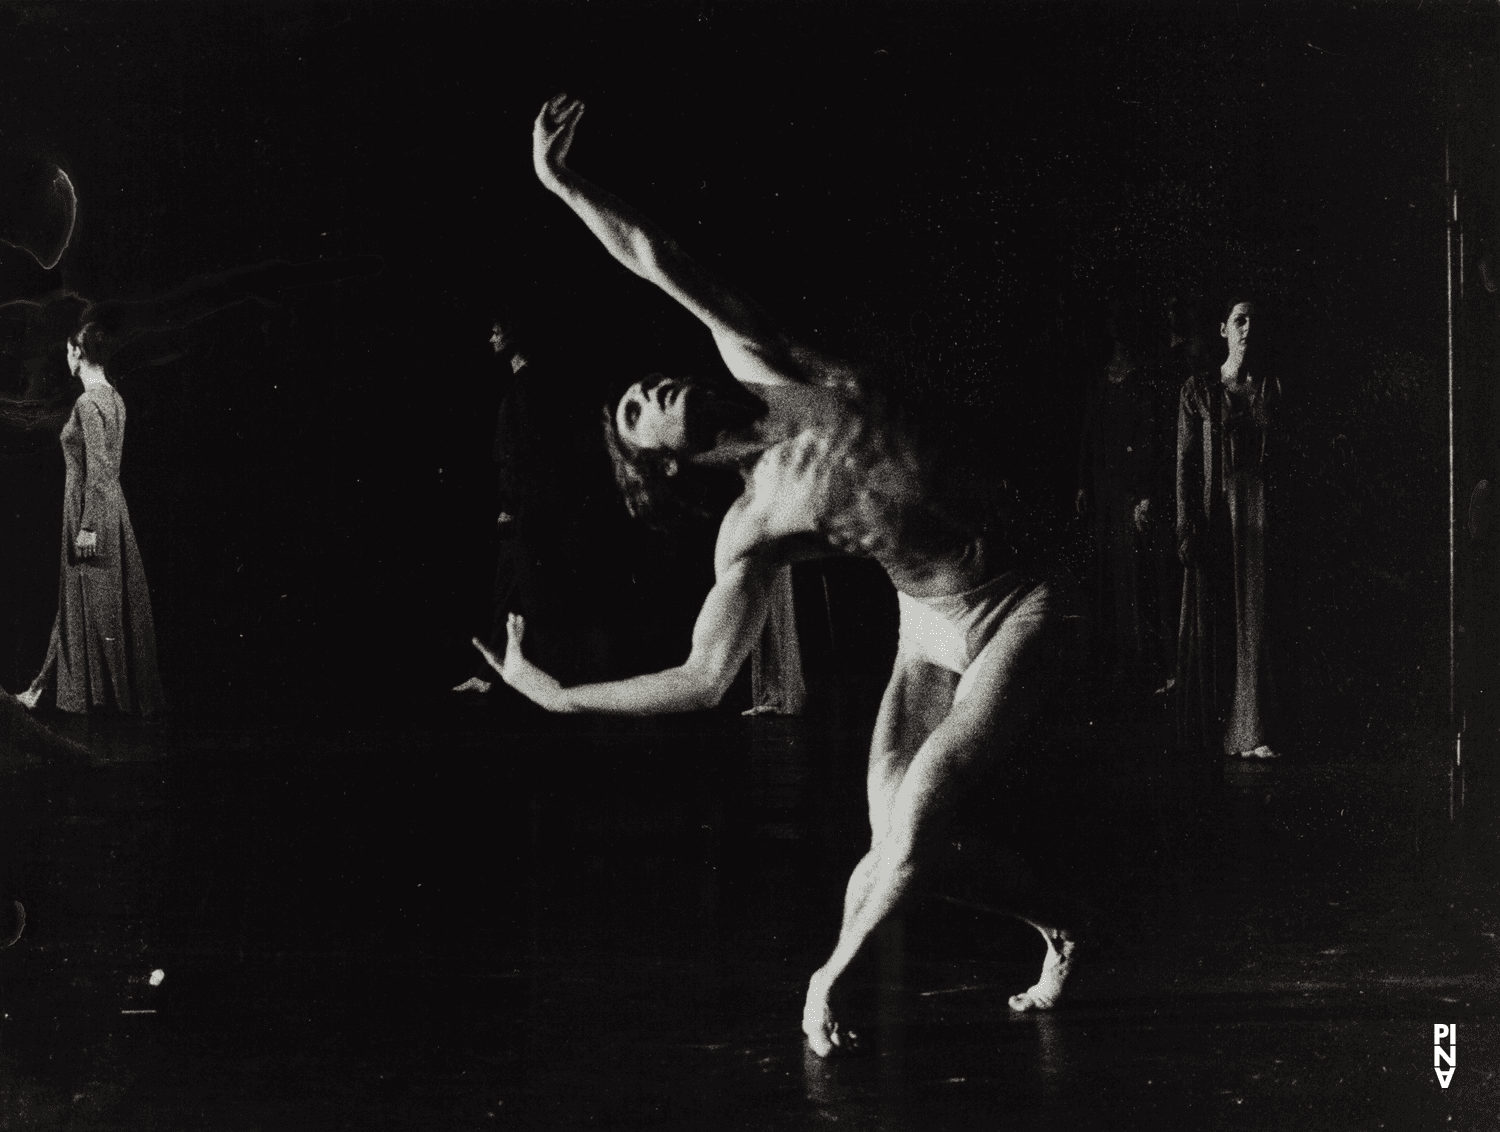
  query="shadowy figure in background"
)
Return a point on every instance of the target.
[
  {"x": 1117, "y": 483},
  {"x": 548, "y": 567},
  {"x": 1228, "y": 435},
  {"x": 514, "y": 456},
  {"x": 1188, "y": 349},
  {"x": 102, "y": 651}
]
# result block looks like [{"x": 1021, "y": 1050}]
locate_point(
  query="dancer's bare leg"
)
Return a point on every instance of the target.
[
  {"x": 1008, "y": 885},
  {"x": 916, "y": 700},
  {"x": 917, "y": 770}
]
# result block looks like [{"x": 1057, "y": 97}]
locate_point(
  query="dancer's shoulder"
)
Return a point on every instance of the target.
[{"x": 745, "y": 538}]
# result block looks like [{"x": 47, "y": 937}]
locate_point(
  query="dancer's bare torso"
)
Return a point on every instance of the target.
[{"x": 824, "y": 476}]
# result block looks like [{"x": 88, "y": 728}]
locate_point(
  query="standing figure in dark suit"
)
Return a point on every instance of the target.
[
  {"x": 103, "y": 647},
  {"x": 1186, "y": 352},
  {"x": 516, "y": 560},
  {"x": 1116, "y": 483}
]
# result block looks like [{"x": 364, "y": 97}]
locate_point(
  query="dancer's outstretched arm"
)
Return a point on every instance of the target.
[
  {"x": 752, "y": 347},
  {"x": 726, "y": 629}
]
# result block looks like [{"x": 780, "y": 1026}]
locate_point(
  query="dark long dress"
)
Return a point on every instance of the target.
[
  {"x": 1225, "y": 445},
  {"x": 103, "y": 648},
  {"x": 1116, "y": 468}
]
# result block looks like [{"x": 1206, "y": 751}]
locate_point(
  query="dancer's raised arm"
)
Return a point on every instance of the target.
[{"x": 752, "y": 348}]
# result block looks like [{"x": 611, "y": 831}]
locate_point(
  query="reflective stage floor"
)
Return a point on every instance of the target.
[{"x": 455, "y": 919}]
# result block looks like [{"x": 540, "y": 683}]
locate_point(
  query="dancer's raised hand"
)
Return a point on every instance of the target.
[
  {"x": 553, "y": 134},
  {"x": 519, "y": 672}
]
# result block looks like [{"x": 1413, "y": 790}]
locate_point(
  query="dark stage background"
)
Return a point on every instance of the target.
[{"x": 952, "y": 187}]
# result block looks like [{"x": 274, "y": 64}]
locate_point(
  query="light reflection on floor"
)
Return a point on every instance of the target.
[{"x": 470, "y": 924}]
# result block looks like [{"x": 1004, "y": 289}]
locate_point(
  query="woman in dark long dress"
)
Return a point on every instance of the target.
[
  {"x": 103, "y": 647},
  {"x": 1227, "y": 434}
]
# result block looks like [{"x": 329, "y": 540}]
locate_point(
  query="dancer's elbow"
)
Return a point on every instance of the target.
[{"x": 705, "y": 685}]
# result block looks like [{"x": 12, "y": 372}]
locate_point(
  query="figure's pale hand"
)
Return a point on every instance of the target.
[
  {"x": 552, "y": 135},
  {"x": 1187, "y": 548},
  {"x": 519, "y": 672},
  {"x": 87, "y": 544},
  {"x": 1142, "y": 514}
]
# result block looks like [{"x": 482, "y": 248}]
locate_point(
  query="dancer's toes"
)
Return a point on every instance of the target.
[{"x": 1044, "y": 994}]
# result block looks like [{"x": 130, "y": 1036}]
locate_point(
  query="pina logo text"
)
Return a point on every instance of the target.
[{"x": 1441, "y": 1055}]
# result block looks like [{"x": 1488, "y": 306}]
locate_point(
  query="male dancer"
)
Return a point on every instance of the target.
[{"x": 828, "y": 470}]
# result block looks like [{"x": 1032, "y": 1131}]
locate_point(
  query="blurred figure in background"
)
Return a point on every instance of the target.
[
  {"x": 550, "y": 558},
  {"x": 515, "y": 564},
  {"x": 1117, "y": 479},
  {"x": 1188, "y": 349}
]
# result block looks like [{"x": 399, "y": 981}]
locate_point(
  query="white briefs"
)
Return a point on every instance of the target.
[{"x": 957, "y": 631}]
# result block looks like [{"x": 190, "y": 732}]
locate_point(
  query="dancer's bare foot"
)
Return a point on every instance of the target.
[
  {"x": 474, "y": 684},
  {"x": 30, "y": 698},
  {"x": 1062, "y": 956},
  {"x": 824, "y": 1031}
]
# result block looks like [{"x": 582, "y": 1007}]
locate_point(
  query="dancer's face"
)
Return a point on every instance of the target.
[
  {"x": 75, "y": 357},
  {"x": 1236, "y": 328},
  {"x": 653, "y": 414}
]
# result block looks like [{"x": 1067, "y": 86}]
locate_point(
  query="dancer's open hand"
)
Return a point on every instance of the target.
[
  {"x": 553, "y": 134},
  {"x": 86, "y": 544},
  {"x": 519, "y": 672}
]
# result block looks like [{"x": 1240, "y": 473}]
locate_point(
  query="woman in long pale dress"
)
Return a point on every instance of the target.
[
  {"x": 1228, "y": 431},
  {"x": 103, "y": 647}
]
